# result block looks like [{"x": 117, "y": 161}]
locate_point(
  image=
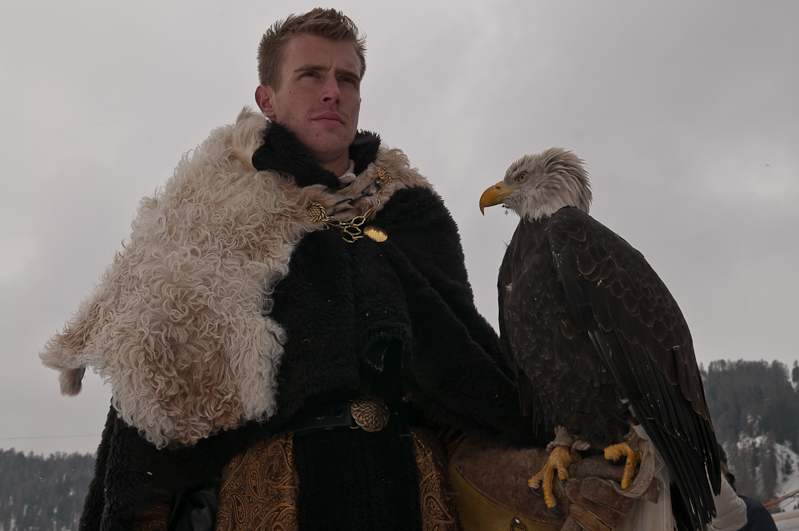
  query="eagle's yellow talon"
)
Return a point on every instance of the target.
[
  {"x": 558, "y": 460},
  {"x": 633, "y": 457}
]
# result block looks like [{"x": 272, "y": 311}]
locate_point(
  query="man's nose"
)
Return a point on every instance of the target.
[{"x": 330, "y": 90}]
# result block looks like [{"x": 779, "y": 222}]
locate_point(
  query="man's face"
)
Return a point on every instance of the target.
[{"x": 319, "y": 96}]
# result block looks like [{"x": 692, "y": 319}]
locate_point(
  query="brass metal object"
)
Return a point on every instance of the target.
[
  {"x": 370, "y": 413},
  {"x": 383, "y": 175},
  {"x": 316, "y": 212},
  {"x": 376, "y": 234},
  {"x": 352, "y": 229}
]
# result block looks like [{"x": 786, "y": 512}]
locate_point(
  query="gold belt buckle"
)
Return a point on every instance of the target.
[{"x": 370, "y": 413}]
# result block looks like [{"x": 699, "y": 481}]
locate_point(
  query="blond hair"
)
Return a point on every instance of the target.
[{"x": 327, "y": 23}]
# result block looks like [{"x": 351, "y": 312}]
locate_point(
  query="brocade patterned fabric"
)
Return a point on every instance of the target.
[
  {"x": 156, "y": 519},
  {"x": 259, "y": 488},
  {"x": 438, "y": 507}
]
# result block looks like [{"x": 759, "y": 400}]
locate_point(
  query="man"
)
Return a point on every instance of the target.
[
  {"x": 317, "y": 411},
  {"x": 316, "y": 96}
]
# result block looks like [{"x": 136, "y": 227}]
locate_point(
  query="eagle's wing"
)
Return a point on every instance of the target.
[
  {"x": 517, "y": 283},
  {"x": 641, "y": 334}
]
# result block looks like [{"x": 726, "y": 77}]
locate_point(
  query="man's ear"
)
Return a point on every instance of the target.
[{"x": 264, "y": 97}]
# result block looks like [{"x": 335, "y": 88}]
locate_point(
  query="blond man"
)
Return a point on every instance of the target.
[{"x": 316, "y": 409}]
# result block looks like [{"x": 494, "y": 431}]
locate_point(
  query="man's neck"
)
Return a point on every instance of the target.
[
  {"x": 337, "y": 167},
  {"x": 281, "y": 151}
]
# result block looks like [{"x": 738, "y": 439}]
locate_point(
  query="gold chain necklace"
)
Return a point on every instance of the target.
[{"x": 352, "y": 229}]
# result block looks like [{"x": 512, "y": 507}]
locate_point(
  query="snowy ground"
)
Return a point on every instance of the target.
[{"x": 787, "y": 482}]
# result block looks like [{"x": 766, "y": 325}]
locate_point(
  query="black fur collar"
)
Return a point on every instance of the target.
[{"x": 283, "y": 152}]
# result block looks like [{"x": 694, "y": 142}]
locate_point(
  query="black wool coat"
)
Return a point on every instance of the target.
[{"x": 395, "y": 319}]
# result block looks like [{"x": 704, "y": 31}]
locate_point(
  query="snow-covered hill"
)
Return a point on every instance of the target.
[{"x": 765, "y": 469}]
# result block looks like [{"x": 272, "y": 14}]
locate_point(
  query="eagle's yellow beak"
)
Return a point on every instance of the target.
[{"x": 495, "y": 195}]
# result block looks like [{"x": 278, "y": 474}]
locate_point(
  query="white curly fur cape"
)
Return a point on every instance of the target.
[{"x": 176, "y": 322}]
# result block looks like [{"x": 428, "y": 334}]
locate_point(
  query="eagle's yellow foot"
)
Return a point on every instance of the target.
[
  {"x": 558, "y": 460},
  {"x": 615, "y": 452}
]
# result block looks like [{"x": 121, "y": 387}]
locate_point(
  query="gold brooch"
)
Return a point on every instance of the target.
[{"x": 352, "y": 229}]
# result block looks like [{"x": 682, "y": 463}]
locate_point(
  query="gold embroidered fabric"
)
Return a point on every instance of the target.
[
  {"x": 155, "y": 519},
  {"x": 259, "y": 488},
  {"x": 438, "y": 508}
]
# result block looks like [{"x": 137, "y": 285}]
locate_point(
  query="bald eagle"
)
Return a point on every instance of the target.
[{"x": 598, "y": 343}]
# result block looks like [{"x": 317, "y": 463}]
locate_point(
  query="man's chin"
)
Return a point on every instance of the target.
[{"x": 330, "y": 141}]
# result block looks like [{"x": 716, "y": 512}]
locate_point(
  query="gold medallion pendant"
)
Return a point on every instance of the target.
[{"x": 376, "y": 234}]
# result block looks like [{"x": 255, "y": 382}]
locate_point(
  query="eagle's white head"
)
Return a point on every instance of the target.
[{"x": 536, "y": 186}]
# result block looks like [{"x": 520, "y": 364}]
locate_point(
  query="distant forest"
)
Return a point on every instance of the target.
[
  {"x": 754, "y": 404},
  {"x": 38, "y": 493}
]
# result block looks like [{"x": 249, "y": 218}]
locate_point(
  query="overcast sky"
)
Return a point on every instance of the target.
[{"x": 685, "y": 112}]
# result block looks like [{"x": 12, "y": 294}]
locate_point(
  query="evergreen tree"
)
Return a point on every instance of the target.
[{"x": 43, "y": 493}]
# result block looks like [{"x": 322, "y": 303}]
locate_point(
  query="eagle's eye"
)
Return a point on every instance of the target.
[{"x": 521, "y": 177}]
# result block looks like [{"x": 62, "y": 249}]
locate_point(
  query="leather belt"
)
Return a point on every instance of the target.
[{"x": 369, "y": 413}]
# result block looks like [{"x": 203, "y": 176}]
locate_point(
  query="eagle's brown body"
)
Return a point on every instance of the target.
[
  {"x": 551, "y": 349},
  {"x": 597, "y": 340}
]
